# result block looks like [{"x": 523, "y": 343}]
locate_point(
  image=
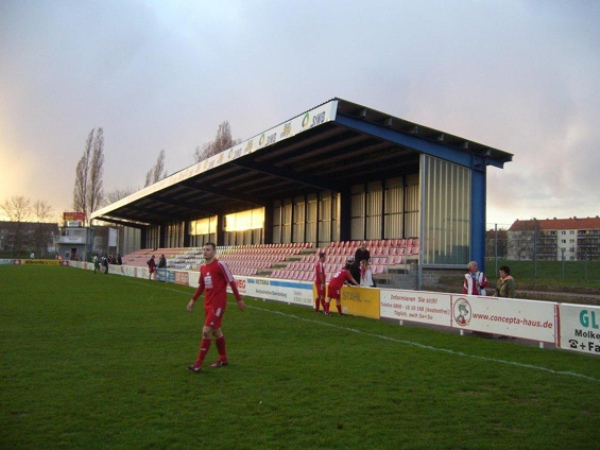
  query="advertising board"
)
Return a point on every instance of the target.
[
  {"x": 580, "y": 328},
  {"x": 289, "y": 291},
  {"x": 416, "y": 306},
  {"x": 359, "y": 301},
  {"x": 525, "y": 319}
]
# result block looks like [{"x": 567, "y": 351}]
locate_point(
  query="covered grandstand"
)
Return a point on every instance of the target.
[{"x": 340, "y": 172}]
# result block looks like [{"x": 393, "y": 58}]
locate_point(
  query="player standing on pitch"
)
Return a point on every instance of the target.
[
  {"x": 214, "y": 277},
  {"x": 320, "y": 282},
  {"x": 335, "y": 287}
]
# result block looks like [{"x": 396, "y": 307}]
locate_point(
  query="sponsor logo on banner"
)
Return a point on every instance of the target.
[
  {"x": 296, "y": 292},
  {"x": 182, "y": 278},
  {"x": 359, "y": 301},
  {"x": 40, "y": 262},
  {"x": 306, "y": 120},
  {"x": 161, "y": 275},
  {"x": 416, "y": 306},
  {"x": 525, "y": 319},
  {"x": 6, "y": 261},
  {"x": 580, "y": 328},
  {"x": 241, "y": 285},
  {"x": 462, "y": 312}
]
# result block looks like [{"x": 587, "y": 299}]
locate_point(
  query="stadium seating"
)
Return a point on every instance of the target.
[{"x": 288, "y": 261}]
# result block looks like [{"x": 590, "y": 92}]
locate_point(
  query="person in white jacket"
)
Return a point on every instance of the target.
[{"x": 366, "y": 274}]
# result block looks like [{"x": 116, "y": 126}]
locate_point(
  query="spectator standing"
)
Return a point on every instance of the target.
[
  {"x": 366, "y": 274},
  {"x": 354, "y": 268},
  {"x": 119, "y": 259},
  {"x": 475, "y": 281},
  {"x": 151, "y": 268},
  {"x": 162, "y": 262},
  {"x": 361, "y": 254},
  {"x": 105, "y": 264},
  {"x": 96, "y": 264},
  {"x": 505, "y": 287}
]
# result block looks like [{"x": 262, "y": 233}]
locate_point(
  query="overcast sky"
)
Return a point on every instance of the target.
[{"x": 521, "y": 76}]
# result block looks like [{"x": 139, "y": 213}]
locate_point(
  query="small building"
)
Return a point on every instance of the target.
[
  {"x": 20, "y": 239},
  {"x": 552, "y": 239}
]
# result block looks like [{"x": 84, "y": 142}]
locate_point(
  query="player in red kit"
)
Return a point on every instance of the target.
[
  {"x": 335, "y": 287},
  {"x": 214, "y": 278},
  {"x": 320, "y": 282}
]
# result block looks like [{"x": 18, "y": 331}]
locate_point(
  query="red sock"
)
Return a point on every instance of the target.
[
  {"x": 204, "y": 346},
  {"x": 339, "y": 308},
  {"x": 326, "y": 307},
  {"x": 323, "y": 303},
  {"x": 221, "y": 348},
  {"x": 317, "y": 303}
]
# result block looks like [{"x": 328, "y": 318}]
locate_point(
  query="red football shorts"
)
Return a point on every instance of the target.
[
  {"x": 334, "y": 293},
  {"x": 214, "y": 317},
  {"x": 320, "y": 292}
]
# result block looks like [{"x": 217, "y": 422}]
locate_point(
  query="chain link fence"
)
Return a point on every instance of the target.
[{"x": 532, "y": 253}]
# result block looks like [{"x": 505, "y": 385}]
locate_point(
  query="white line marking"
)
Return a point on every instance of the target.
[{"x": 416, "y": 344}]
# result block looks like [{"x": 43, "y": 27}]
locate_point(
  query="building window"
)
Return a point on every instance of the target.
[
  {"x": 571, "y": 241},
  {"x": 572, "y": 232},
  {"x": 563, "y": 232},
  {"x": 563, "y": 241}
]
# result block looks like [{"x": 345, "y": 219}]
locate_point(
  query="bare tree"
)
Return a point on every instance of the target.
[
  {"x": 157, "y": 172},
  {"x": 95, "y": 189},
  {"x": 80, "y": 191},
  {"x": 116, "y": 195},
  {"x": 17, "y": 208},
  {"x": 222, "y": 141},
  {"x": 41, "y": 210}
]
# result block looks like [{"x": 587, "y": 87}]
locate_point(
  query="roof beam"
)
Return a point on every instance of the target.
[
  {"x": 224, "y": 192},
  {"x": 150, "y": 211},
  {"x": 186, "y": 205},
  {"x": 285, "y": 173},
  {"x": 125, "y": 223}
]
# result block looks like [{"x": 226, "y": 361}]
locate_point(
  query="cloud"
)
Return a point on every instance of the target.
[{"x": 519, "y": 76}]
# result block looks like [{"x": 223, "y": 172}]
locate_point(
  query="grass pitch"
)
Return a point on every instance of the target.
[{"x": 95, "y": 361}]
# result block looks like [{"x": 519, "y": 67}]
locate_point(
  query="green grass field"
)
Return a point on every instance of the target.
[{"x": 94, "y": 361}]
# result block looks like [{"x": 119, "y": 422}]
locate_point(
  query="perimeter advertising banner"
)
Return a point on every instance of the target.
[
  {"x": 40, "y": 262},
  {"x": 580, "y": 328},
  {"x": 416, "y": 306},
  {"x": 525, "y": 319},
  {"x": 358, "y": 301},
  {"x": 288, "y": 291}
]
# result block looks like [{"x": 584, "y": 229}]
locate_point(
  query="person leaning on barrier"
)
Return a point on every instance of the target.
[
  {"x": 505, "y": 287},
  {"x": 475, "y": 281}
]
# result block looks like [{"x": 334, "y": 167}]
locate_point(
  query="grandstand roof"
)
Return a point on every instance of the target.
[{"x": 327, "y": 148}]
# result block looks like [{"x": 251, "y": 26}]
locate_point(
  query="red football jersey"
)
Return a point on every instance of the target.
[
  {"x": 337, "y": 281},
  {"x": 214, "y": 278},
  {"x": 319, "y": 272}
]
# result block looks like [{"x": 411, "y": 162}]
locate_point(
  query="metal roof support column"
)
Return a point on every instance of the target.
[
  {"x": 268, "y": 224},
  {"x": 186, "y": 233},
  {"x": 162, "y": 236},
  {"x": 478, "y": 195},
  {"x": 422, "y": 228},
  {"x": 220, "y": 229},
  {"x": 345, "y": 215},
  {"x": 143, "y": 237}
]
